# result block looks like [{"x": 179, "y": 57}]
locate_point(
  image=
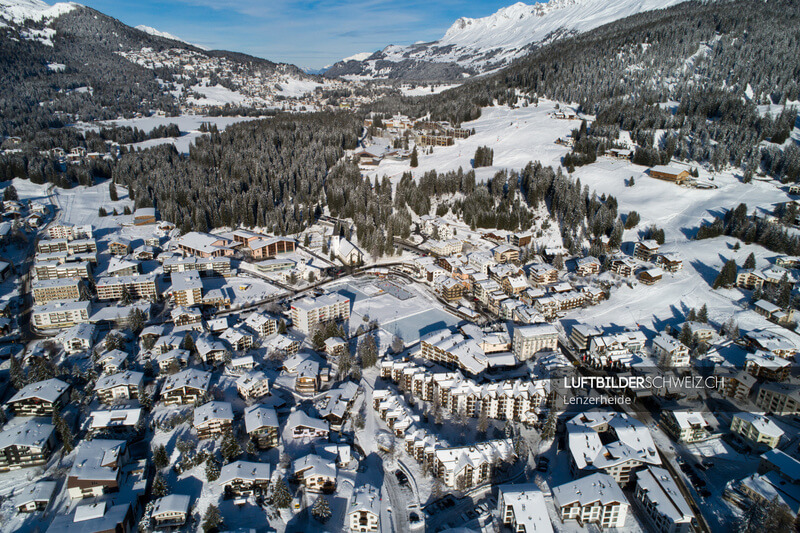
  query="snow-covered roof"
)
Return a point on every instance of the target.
[
  {"x": 97, "y": 460},
  {"x": 32, "y": 432},
  {"x": 314, "y": 465},
  {"x": 127, "y": 378},
  {"x": 300, "y": 418},
  {"x": 530, "y": 509},
  {"x": 689, "y": 419},
  {"x": 212, "y": 411},
  {"x": 117, "y": 416},
  {"x": 244, "y": 470},
  {"x": 365, "y": 498},
  {"x": 664, "y": 494},
  {"x": 761, "y": 423},
  {"x": 258, "y": 416},
  {"x": 36, "y": 492},
  {"x": 191, "y": 377},
  {"x": 48, "y": 390},
  {"x": 595, "y": 488},
  {"x": 172, "y": 503}
]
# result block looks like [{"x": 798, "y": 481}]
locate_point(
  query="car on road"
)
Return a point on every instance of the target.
[
  {"x": 543, "y": 464},
  {"x": 401, "y": 476}
]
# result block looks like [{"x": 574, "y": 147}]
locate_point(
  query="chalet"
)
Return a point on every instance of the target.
[
  {"x": 335, "y": 346},
  {"x": 119, "y": 420},
  {"x": 773, "y": 312},
  {"x": 364, "y": 509},
  {"x": 262, "y": 324},
  {"x": 78, "y": 338},
  {"x": 144, "y": 216},
  {"x": 450, "y": 289},
  {"x": 307, "y": 377},
  {"x": 596, "y": 498},
  {"x": 662, "y": 501},
  {"x": 187, "y": 316},
  {"x": 651, "y": 275},
  {"x": 671, "y": 353},
  {"x": 35, "y": 497},
  {"x": 97, "y": 517},
  {"x": 620, "y": 153},
  {"x": 586, "y": 266},
  {"x": 522, "y": 508},
  {"x": 211, "y": 350},
  {"x": 24, "y": 444},
  {"x": 243, "y": 478},
  {"x": 736, "y": 385},
  {"x": 119, "y": 246},
  {"x": 669, "y": 261},
  {"x": 505, "y": 253},
  {"x": 667, "y": 173},
  {"x": 185, "y": 387},
  {"x": 315, "y": 473},
  {"x": 542, "y": 274},
  {"x": 623, "y": 266},
  {"x": 253, "y": 385},
  {"x": 112, "y": 361},
  {"x": 302, "y": 425},
  {"x": 119, "y": 386},
  {"x": 175, "y": 359},
  {"x": 336, "y": 403},
  {"x": 213, "y": 419},
  {"x": 97, "y": 468},
  {"x": 237, "y": 338},
  {"x": 170, "y": 511},
  {"x": 40, "y": 398},
  {"x": 766, "y": 366},
  {"x": 685, "y": 426},
  {"x": 645, "y": 250},
  {"x": 757, "y": 430},
  {"x": 261, "y": 424}
]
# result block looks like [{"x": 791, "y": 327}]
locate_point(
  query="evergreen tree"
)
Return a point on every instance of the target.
[
  {"x": 212, "y": 468},
  {"x": 160, "y": 487},
  {"x": 112, "y": 191},
  {"x": 368, "y": 351},
  {"x": 102, "y": 212},
  {"x": 750, "y": 262},
  {"x": 632, "y": 220},
  {"x": 727, "y": 276},
  {"x": 212, "y": 519},
  {"x": 550, "y": 425},
  {"x": 280, "y": 494},
  {"x": 188, "y": 343},
  {"x": 10, "y": 194},
  {"x": 702, "y": 316},
  {"x": 230, "y": 448},
  {"x": 136, "y": 320},
  {"x": 414, "y": 158},
  {"x": 686, "y": 335},
  {"x": 321, "y": 511},
  {"x": 63, "y": 431},
  {"x": 16, "y": 373},
  {"x": 160, "y": 457},
  {"x": 282, "y": 326}
]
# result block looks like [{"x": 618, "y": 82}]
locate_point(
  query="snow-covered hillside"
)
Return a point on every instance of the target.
[
  {"x": 484, "y": 44},
  {"x": 157, "y": 33},
  {"x": 20, "y": 11}
]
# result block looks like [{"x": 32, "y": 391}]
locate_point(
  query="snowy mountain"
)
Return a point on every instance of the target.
[
  {"x": 21, "y": 11},
  {"x": 157, "y": 33},
  {"x": 475, "y": 46}
]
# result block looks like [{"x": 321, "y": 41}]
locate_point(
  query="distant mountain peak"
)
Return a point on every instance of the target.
[
  {"x": 157, "y": 33},
  {"x": 20, "y": 11},
  {"x": 479, "y": 45}
]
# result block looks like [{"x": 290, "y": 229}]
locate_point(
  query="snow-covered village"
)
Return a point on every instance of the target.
[{"x": 433, "y": 288}]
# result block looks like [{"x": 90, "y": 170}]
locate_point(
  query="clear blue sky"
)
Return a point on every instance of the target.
[{"x": 308, "y": 33}]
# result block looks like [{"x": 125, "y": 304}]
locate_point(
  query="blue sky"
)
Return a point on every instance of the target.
[{"x": 308, "y": 33}]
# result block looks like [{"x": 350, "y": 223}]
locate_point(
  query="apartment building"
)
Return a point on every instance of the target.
[
  {"x": 309, "y": 312},
  {"x": 594, "y": 499},
  {"x": 779, "y": 399},
  {"x": 523, "y": 509},
  {"x": 685, "y": 426},
  {"x": 213, "y": 419},
  {"x": 261, "y": 424},
  {"x": 187, "y": 288},
  {"x": 40, "y": 399},
  {"x": 757, "y": 430},
  {"x": 244, "y": 478},
  {"x": 120, "y": 386},
  {"x": 46, "y": 291},
  {"x": 26, "y": 443},
  {"x": 141, "y": 287},
  {"x": 363, "y": 511},
  {"x": 528, "y": 340},
  {"x": 670, "y": 352},
  {"x": 54, "y": 269},
  {"x": 60, "y": 314},
  {"x": 185, "y": 387},
  {"x": 662, "y": 501}
]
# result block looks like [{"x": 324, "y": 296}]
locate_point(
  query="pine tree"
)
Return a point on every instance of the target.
[
  {"x": 63, "y": 431},
  {"x": 280, "y": 494},
  {"x": 16, "y": 373},
  {"x": 321, "y": 511},
  {"x": 750, "y": 262},
  {"x": 368, "y": 351},
  {"x": 188, "y": 343},
  {"x": 10, "y": 193},
  {"x": 686, "y": 335},
  {"x": 112, "y": 192},
  {"x": 230, "y": 448},
  {"x": 160, "y": 487},
  {"x": 160, "y": 457},
  {"x": 414, "y": 158},
  {"x": 483, "y": 422},
  {"x": 212, "y": 519},
  {"x": 702, "y": 316},
  {"x": 727, "y": 276},
  {"x": 136, "y": 320},
  {"x": 212, "y": 468},
  {"x": 550, "y": 425},
  {"x": 102, "y": 212}
]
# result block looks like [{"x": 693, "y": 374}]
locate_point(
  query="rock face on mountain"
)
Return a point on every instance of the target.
[{"x": 476, "y": 46}]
